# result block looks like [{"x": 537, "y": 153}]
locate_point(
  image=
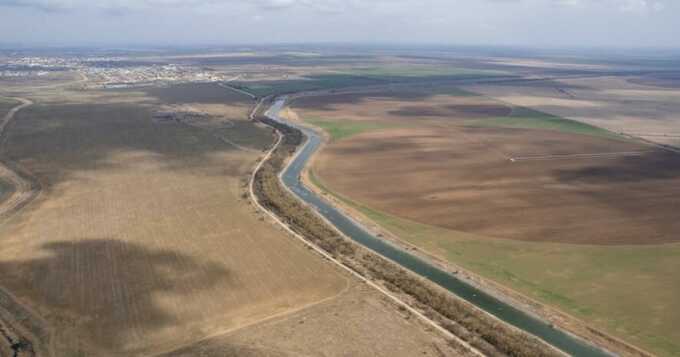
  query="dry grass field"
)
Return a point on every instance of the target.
[
  {"x": 141, "y": 241},
  {"x": 502, "y": 190},
  {"x": 359, "y": 323}
]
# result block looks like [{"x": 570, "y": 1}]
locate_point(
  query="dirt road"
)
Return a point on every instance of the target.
[{"x": 24, "y": 189}]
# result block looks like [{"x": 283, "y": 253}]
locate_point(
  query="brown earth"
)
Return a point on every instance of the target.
[{"x": 460, "y": 177}]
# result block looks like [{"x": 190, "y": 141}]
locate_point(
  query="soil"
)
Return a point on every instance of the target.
[{"x": 448, "y": 173}]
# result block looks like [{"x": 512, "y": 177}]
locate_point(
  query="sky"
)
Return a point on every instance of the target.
[{"x": 532, "y": 23}]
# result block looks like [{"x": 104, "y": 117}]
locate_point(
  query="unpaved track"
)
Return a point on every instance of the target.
[
  {"x": 223, "y": 139},
  {"x": 251, "y": 95},
  {"x": 25, "y": 187},
  {"x": 581, "y": 156}
]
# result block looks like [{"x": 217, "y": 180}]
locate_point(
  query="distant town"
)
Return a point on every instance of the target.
[{"x": 108, "y": 72}]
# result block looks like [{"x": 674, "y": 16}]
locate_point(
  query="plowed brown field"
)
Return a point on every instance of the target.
[
  {"x": 447, "y": 171},
  {"x": 566, "y": 214}
]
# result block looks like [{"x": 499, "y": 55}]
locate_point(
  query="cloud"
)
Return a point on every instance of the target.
[
  {"x": 136, "y": 5},
  {"x": 45, "y": 5},
  {"x": 626, "y": 6},
  {"x": 68, "y": 5},
  {"x": 641, "y": 6},
  {"x": 278, "y": 4},
  {"x": 523, "y": 22},
  {"x": 155, "y": 4},
  {"x": 321, "y": 5}
]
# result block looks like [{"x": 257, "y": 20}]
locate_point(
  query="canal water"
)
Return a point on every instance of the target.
[{"x": 291, "y": 178}]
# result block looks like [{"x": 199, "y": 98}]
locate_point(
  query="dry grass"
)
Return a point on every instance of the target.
[
  {"x": 360, "y": 322},
  {"x": 140, "y": 240}
]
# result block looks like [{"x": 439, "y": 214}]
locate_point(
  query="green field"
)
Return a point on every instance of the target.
[
  {"x": 316, "y": 82},
  {"x": 525, "y": 118},
  {"x": 341, "y": 129},
  {"x": 406, "y": 73},
  {"x": 363, "y": 77},
  {"x": 592, "y": 283},
  {"x": 451, "y": 91}
]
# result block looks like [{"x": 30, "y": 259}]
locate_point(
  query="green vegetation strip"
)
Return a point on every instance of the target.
[
  {"x": 582, "y": 280},
  {"x": 526, "y": 118},
  {"x": 409, "y": 73},
  {"x": 364, "y": 77},
  {"x": 342, "y": 129},
  {"x": 487, "y": 334},
  {"x": 313, "y": 82}
]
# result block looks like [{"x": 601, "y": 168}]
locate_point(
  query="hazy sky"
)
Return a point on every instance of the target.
[{"x": 627, "y": 23}]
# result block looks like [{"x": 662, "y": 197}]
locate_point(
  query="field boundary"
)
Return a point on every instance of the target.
[
  {"x": 668, "y": 148},
  {"x": 280, "y": 315},
  {"x": 670, "y": 135},
  {"x": 238, "y": 90},
  {"x": 579, "y": 156}
]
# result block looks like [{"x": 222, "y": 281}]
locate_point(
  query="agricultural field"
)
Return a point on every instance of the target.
[
  {"x": 502, "y": 186},
  {"x": 368, "y": 73},
  {"x": 56, "y": 78},
  {"x": 643, "y": 106},
  {"x": 141, "y": 240},
  {"x": 419, "y": 72},
  {"x": 310, "y": 82}
]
